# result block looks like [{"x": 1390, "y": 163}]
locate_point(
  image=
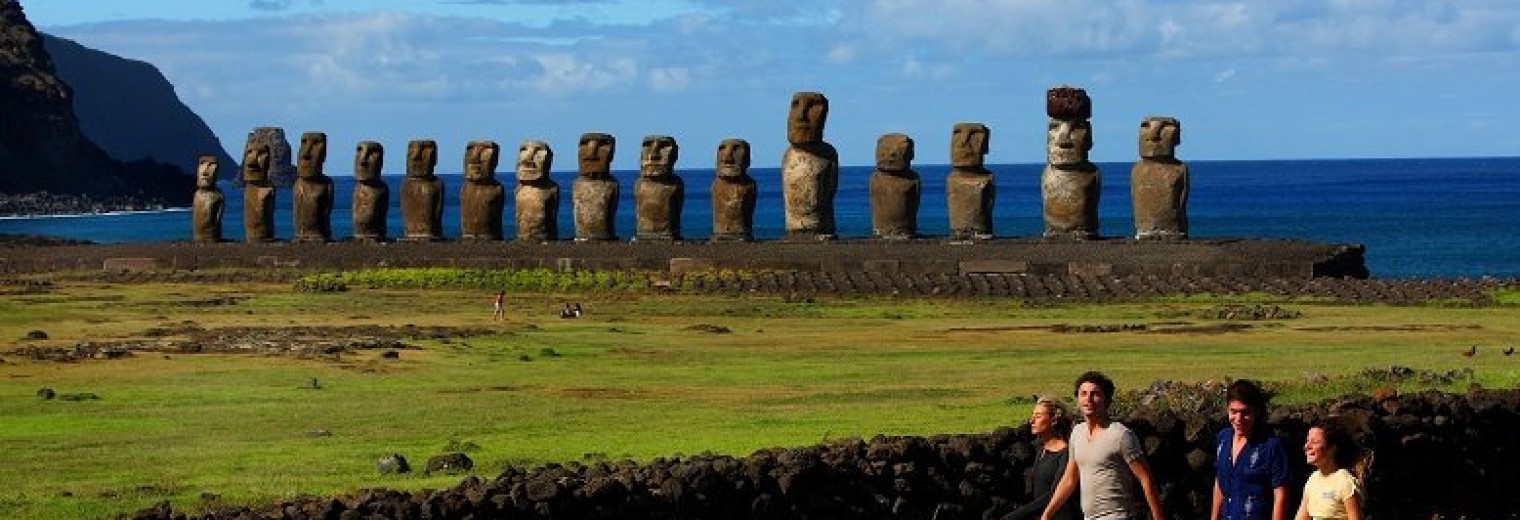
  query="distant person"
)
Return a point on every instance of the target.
[
  {"x": 1106, "y": 457},
  {"x": 1250, "y": 464},
  {"x": 577, "y": 309},
  {"x": 1051, "y": 425},
  {"x": 498, "y": 307},
  {"x": 565, "y": 312},
  {"x": 1334, "y": 489}
]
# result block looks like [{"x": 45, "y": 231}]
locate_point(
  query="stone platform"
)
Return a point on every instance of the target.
[{"x": 1290, "y": 259}]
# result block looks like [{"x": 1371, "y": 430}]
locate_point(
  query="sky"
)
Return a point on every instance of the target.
[{"x": 1251, "y": 79}]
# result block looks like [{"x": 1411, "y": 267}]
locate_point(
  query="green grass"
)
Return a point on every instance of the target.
[{"x": 630, "y": 380}]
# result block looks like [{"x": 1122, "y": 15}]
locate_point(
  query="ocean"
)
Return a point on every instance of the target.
[{"x": 1418, "y": 218}]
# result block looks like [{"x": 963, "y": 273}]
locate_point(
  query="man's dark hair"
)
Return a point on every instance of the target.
[
  {"x": 1246, "y": 392},
  {"x": 1097, "y": 378}
]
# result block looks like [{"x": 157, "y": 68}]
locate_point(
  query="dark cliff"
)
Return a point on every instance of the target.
[
  {"x": 130, "y": 109},
  {"x": 42, "y": 147}
]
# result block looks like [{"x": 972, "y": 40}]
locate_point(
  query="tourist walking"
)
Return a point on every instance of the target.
[
  {"x": 498, "y": 308},
  {"x": 1050, "y": 423},
  {"x": 1105, "y": 457},
  {"x": 1250, "y": 464},
  {"x": 1333, "y": 491}
]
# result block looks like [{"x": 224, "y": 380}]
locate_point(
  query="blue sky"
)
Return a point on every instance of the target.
[{"x": 1249, "y": 79}]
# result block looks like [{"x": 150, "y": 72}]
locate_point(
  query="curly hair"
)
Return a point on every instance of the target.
[{"x": 1097, "y": 378}]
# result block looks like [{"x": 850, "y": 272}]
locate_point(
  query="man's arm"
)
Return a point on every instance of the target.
[
  {"x": 1280, "y": 503},
  {"x": 1142, "y": 473},
  {"x": 1219, "y": 502},
  {"x": 1063, "y": 490}
]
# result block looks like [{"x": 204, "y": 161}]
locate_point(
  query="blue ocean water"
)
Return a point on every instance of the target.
[{"x": 1418, "y": 217}]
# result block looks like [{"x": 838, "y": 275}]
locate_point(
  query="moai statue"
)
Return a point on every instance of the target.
[
  {"x": 258, "y": 194},
  {"x": 1070, "y": 183},
  {"x": 482, "y": 198},
  {"x": 537, "y": 196},
  {"x": 372, "y": 198},
  {"x": 895, "y": 189},
  {"x": 313, "y": 191},
  {"x": 970, "y": 189},
  {"x": 809, "y": 170},
  {"x": 282, "y": 174},
  {"x": 1159, "y": 182},
  {"x": 422, "y": 193},
  {"x": 208, "y": 204},
  {"x": 659, "y": 193},
  {"x": 595, "y": 191},
  {"x": 733, "y": 194}
]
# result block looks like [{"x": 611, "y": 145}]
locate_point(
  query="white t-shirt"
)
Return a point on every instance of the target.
[
  {"x": 1325, "y": 495},
  {"x": 1108, "y": 485}
]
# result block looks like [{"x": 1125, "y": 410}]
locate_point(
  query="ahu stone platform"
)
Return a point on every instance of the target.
[{"x": 1290, "y": 259}]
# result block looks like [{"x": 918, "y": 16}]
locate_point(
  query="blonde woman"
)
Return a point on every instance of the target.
[{"x": 1050, "y": 423}]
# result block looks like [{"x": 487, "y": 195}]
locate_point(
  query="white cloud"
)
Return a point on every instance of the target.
[
  {"x": 840, "y": 54},
  {"x": 567, "y": 74},
  {"x": 1224, "y": 75},
  {"x": 669, "y": 79}
]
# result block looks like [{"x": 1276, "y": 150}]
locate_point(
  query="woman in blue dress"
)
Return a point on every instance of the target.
[{"x": 1250, "y": 466}]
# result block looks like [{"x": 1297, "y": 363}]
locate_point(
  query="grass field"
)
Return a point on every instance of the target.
[{"x": 640, "y": 376}]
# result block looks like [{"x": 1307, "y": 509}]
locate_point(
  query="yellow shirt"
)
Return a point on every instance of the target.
[{"x": 1325, "y": 495}]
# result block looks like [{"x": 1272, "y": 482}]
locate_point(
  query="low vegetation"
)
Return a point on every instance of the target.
[{"x": 641, "y": 374}]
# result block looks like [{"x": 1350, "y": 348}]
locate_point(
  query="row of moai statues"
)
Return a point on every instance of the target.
[{"x": 1070, "y": 186}]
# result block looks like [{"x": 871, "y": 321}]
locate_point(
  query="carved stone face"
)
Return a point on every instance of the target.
[
  {"x": 733, "y": 158},
  {"x": 894, "y": 153},
  {"x": 480, "y": 159},
  {"x": 968, "y": 145},
  {"x": 1159, "y": 137},
  {"x": 595, "y": 153},
  {"x": 534, "y": 158},
  {"x": 421, "y": 158},
  {"x": 1068, "y": 141},
  {"x": 205, "y": 172},
  {"x": 658, "y": 155},
  {"x": 256, "y": 163},
  {"x": 804, "y": 123},
  {"x": 312, "y": 155},
  {"x": 369, "y": 158}
]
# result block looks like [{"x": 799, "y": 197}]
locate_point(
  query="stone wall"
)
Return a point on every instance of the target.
[
  {"x": 1436, "y": 453},
  {"x": 1290, "y": 259}
]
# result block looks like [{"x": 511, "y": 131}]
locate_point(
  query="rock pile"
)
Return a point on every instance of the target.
[{"x": 1436, "y": 453}]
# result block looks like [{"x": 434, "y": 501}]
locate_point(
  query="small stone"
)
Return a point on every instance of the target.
[
  {"x": 391, "y": 354},
  {"x": 393, "y": 464},
  {"x": 46, "y": 393},
  {"x": 450, "y": 463},
  {"x": 36, "y": 334}
]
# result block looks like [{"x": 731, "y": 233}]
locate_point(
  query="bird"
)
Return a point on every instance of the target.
[
  {"x": 1509, "y": 351},
  {"x": 1470, "y": 352}
]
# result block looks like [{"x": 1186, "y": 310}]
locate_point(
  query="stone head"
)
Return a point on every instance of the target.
[
  {"x": 480, "y": 159},
  {"x": 1159, "y": 137},
  {"x": 658, "y": 155},
  {"x": 312, "y": 155},
  {"x": 894, "y": 153},
  {"x": 733, "y": 158},
  {"x": 205, "y": 172},
  {"x": 595, "y": 153},
  {"x": 421, "y": 158},
  {"x": 969, "y": 145},
  {"x": 534, "y": 158},
  {"x": 1068, "y": 141},
  {"x": 1067, "y": 102},
  {"x": 369, "y": 158},
  {"x": 256, "y": 162},
  {"x": 804, "y": 123}
]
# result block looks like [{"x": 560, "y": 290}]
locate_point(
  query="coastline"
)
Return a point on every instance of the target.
[{"x": 44, "y": 204}]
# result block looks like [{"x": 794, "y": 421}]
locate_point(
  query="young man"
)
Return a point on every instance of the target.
[{"x": 1107, "y": 457}]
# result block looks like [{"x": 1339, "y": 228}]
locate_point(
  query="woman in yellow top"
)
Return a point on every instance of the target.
[{"x": 1332, "y": 492}]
